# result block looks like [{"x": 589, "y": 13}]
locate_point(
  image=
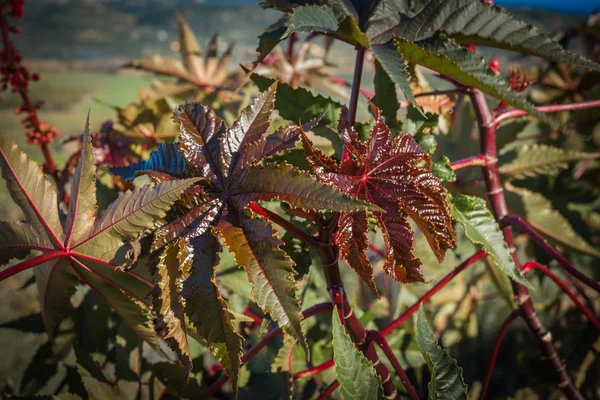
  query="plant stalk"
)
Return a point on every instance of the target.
[
  {"x": 490, "y": 368},
  {"x": 521, "y": 224},
  {"x": 552, "y": 108},
  {"x": 563, "y": 286},
  {"x": 32, "y": 262},
  {"x": 495, "y": 191}
]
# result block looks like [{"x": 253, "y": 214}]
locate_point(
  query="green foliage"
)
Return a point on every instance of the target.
[
  {"x": 540, "y": 159},
  {"x": 540, "y": 213},
  {"x": 479, "y": 23},
  {"x": 446, "y": 376},
  {"x": 85, "y": 247},
  {"x": 443, "y": 55},
  {"x": 355, "y": 373},
  {"x": 481, "y": 228}
]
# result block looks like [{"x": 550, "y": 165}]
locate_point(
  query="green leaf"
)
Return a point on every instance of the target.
[
  {"x": 392, "y": 63},
  {"x": 443, "y": 170},
  {"x": 31, "y": 190},
  {"x": 481, "y": 228},
  {"x": 167, "y": 302},
  {"x": 251, "y": 125},
  {"x": 134, "y": 313},
  {"x": 56, "y": 283},
  {"x": 445, "y": 56},
  {"x": 357, "y": 377},
  {"x": 446, "y": 376},
  {"x": 385, "y": 94},
  {"x": 299, "y": 104},
  {"x": 479, "y": 23},
  {"x": 269, "y": 270},
  {"x": 540, "y": 159},
  {"x": 542, "y": 216},
  {"x": 283, "y": 182},
  {"x": 96, "y": 384},
  {"x": 270, "y": 38},
  {"x": 82, "y": 205},
  {"x": 16, "y": 239},
  {"x": 285, "y": 356},
  {"x": 130, "y": 215},
  {"x": 322, "y": 19},
  {"x": 209, "y": 316}
]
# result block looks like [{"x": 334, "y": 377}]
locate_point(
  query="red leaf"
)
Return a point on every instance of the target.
[{"x": 394, "y": 175}]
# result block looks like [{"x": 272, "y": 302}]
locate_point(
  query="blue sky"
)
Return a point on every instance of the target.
[
  {"x": 563, "y": 6},
  {"x": 581, "y": 7}
]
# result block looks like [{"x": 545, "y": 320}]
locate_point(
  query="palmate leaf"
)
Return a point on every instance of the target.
[
  {"x": 210, "y": 69},
  {"x": 209, "y": 317},
  {"x": 446, "y": 376},
  {"x": 540, "y": 159},
  {"x": 299, "y": 104},
  {"x": 357, "y": 377},
  {"x": 281, "y": 181},
  {"x": 443, "y": 55},
  {"x": 269, "y": 270},
  {"x": 167, "y": 278},
  {"x": 479, "y": 23},
  {"x": 540, "y": 214},
  {"x": 79, "y": 247},
  {"x": 481, "y": 228},
  {"x": 229, "y": 163},
  {"x": 387, "y": 173}
]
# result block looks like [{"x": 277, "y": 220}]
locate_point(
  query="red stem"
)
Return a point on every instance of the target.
[
  {"x": 495, "y": 192},
  {"x": 378, "y": 338},
  {"x": 490, "y": 368},
  {"x": 355, "y": 92},
  {"x": 563, "y": 286},
  {"x": 406, "y": 314},
  {"x": 552, "y": 108},
  {"x": 32, "y": 262},
  {"x": 309, "y": 312},
  {"x": 475, "y": 161},
  {"x": 285, "y": 224},
  {"x": 314, "y": 370},
  {"x": 520, "y": 223},
  {"x": 329, "y": 390}
]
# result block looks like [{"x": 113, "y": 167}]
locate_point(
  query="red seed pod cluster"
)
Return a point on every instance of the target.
[
  {"x": 495, "y": 66},
  {"x": 45, "y": 135},
  {"x": 17, "y": 8},
  {"x": 17, "y": 77},
  {"x": 518, "y": 80}
]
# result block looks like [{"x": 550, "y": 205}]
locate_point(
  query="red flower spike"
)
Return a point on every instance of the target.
[
  {"x": 394, "y": 175},
  {"x": 35, "y": 77}
]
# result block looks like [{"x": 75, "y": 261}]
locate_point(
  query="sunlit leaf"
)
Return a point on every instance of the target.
[
  {"x": 357, "y": 377},
  {"x": 481, "y": 228},
  {"x": 446, "y": 376}
]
